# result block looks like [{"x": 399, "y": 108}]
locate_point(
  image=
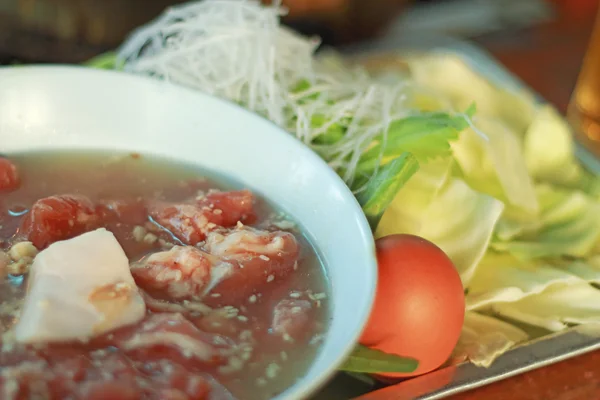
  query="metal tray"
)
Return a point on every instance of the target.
[{"x": 528, "y": 356}]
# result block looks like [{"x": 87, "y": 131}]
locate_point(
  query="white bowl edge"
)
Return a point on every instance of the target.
[{"x": 61, "y": 107}]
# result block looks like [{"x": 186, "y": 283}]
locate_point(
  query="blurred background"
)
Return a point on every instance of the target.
[{"x": 542, "y": 41}]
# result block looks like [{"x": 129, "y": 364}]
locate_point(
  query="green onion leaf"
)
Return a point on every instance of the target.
[
  {"x": 471, "y": 110},
  {"x": 103, "y": 61},
  {"x": 334, "y": 133},
  {"x": 383, "y": 187},
  {"x": 426, "y": 136},
  {"x": 301, "y": 87},
  {"x": 366, "y": 360}
]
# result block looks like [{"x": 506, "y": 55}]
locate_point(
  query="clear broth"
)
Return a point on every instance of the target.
[{"x": 100, "y": 176}]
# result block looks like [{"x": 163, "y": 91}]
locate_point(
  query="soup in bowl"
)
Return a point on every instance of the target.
[{"x": 158, "y": 243}]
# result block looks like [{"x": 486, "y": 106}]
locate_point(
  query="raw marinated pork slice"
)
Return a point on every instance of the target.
[
  {"x": 172, "y": 336},
  {"x": 237, "y": 264},
  {"x": 162, "y": 358},
  {"x": 292, "y": 319},
  {"x": 129, "y": 211},
  {"x": 9, "y": 177},
  {"x": 100, "y": 375},
  {"x": 57, "y": 218},
  {"x": 191, "y": 222},
  {"x": 183, "y": 272},
  {"x": 263, "y": 257}
]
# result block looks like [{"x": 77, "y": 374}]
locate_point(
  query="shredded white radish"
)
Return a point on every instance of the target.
[{"x": 238, "y": 50}]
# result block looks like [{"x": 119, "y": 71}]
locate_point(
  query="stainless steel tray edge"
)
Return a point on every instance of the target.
[{"x": 452, "y": 380}]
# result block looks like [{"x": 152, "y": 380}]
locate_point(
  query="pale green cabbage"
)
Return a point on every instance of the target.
[
  {"x": 484, "y": 338},
  {"x": 446, "y": 211},
  {"x": 515, "y": 211}
]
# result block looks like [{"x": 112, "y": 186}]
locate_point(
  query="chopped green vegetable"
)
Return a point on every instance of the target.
[
  {"x": 334, "y": 133},
  {"x": 104, "y": 61},
  {"x": 366, "y": 360},
  {"x": 383, "y": 187},
  {"x": 303, "y": 90},
  {"x": 471, "y": 110},
  {"x": 425, "y": 136}
]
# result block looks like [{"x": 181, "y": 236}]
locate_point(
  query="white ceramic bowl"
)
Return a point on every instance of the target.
[{"x": 80, "y": 108}]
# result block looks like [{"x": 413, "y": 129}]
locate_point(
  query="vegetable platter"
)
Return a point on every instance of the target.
[{"x": 543, "y": 348}]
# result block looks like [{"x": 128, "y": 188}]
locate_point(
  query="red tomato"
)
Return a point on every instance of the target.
[
  {"x": 9, "y": 178},
  {"x": 420, "y": 305}
]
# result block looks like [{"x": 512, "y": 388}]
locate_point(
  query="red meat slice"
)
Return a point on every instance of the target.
[
  {"x": 101, "y": 375},
  {"x": 58, "y": 218},
  {"x": 179, "y": 383},
  {"x": 182, "y": 272},
  {"x": 171, "y": 336},
  {"x": 191, "y": 222},
  {"x": 132, "y": 211},
  {"x": 292, "y": 319},
  {"x": 119, "y": 389},
  {"x": 9, "y": 177},
  {"x": 235, "y": 206},
  {"x": 238, "y": 264},
  {"x": 25, "y": 380},
  {"x": 109, "y": 375},
  {"x": 263, "y": 258}
]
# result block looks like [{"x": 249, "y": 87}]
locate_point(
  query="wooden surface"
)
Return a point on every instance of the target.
[
  {"x": 575, "y": 379},
  {"x": 548, "y": 59}
]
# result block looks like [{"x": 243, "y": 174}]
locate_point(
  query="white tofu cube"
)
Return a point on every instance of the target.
[{"x": 78, "y": 289}]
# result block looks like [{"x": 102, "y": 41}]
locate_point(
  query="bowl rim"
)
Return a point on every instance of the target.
[{"x": 294, "y": 391}]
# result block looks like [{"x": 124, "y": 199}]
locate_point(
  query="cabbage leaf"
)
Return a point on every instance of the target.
[
  {"x": 484, "y": 338},
  {"x": 501, "y": 278},
  {"x": 556, "y": 307},
  {"x": 494, "y": 164},
  {"x": 569, "y": 224},
  {"x": 446, "y": 211},
  {"x": 448, "y": 75}
]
